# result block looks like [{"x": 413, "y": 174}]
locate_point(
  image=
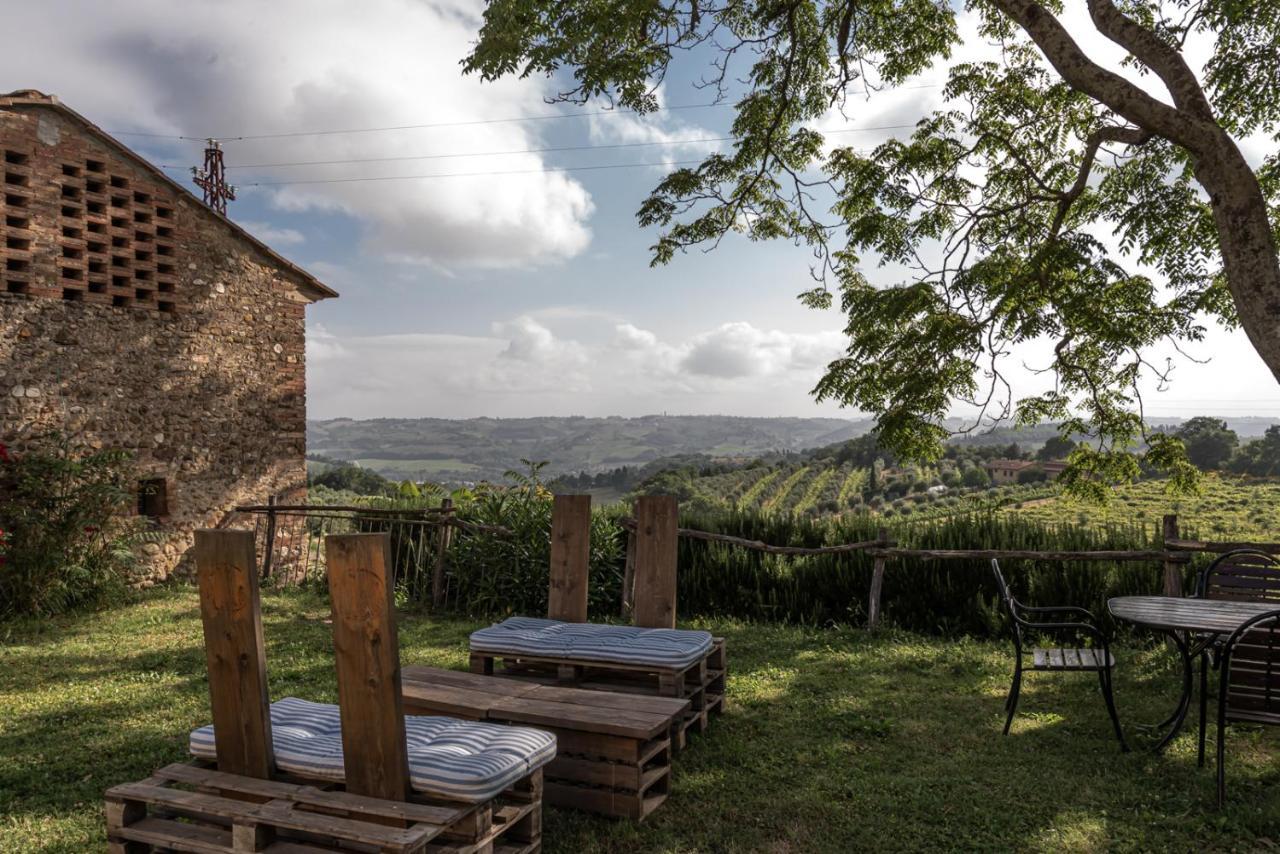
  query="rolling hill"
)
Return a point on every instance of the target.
[{"x": 477, "y": 449}]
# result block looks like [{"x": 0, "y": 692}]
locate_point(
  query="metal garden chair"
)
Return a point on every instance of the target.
[
  {"x": 1243, "y": 575},
  {"x": 1067, "y": 659},
  {"x": 1249, "y": 690}
]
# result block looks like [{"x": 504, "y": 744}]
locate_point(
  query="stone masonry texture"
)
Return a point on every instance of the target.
[{"x": 133, "y": 317}]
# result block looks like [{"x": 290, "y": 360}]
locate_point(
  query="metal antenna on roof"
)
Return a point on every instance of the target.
[{"x": 213, "y": 179}]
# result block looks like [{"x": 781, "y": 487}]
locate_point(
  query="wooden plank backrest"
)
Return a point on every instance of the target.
[
  {"x": 226, "y": 568},
  {"x": 570, "y": 558},
  {"x": 367, "y": 655},
  {"x": 656, "y": 548}
]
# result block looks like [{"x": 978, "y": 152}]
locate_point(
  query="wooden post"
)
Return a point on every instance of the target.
[
  {"x": 877, "y": 583},
  {"x": 1172, "y": 569},
  {"x": 629, "y": 577},
  {"x": 657, "y": 547},
  {"x": 367, "y": 655},
  {"x": 234, "y": 652},
  {"x": 570, "y": 558},
  {"x": 443, "y": 536},
  {"x": 271, "y": 537}
]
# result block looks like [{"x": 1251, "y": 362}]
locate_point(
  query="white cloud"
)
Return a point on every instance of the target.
[
  {"x": 526, "y": 368},
  {"x": 739, "y": 350},
  {"x": 273, "y": 236},
  {"x": 245, "y": 67},
  {"x": 663, "y": 142}
]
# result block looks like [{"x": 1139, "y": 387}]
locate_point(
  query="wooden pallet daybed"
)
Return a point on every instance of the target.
[
  {"x": 591, "y": 656},
  {"x": 613, "y": 750},
  {"x": 246, "y": 802}
]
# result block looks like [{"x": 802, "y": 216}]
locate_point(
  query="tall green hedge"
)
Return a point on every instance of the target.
[
  {"x": 492, "y": 575},
  {"x": 936, "y": 596}
]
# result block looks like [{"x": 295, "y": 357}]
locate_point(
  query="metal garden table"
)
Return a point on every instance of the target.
[{"x": 1194, "y": 625}]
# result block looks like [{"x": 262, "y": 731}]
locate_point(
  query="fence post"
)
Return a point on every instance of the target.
[
  {"x": 1172, "y": 569},
  {"x": 442, "y": 545},
  {"x": 657, "y": 550},
  {"x": 570, "y": 571},
  {"x": 877, "y": 582},
  {"x": 271, "y": 536}
]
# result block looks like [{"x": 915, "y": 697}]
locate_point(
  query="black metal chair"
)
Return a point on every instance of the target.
[
  {"x": 1058, "y": 659},
  {"x": 1243, "y": 575},
  {"x": 1249, "y": 688}
]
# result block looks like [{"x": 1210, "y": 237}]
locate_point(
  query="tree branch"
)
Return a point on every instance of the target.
[
  {"x": 1106, "y": 87},
  {"x": 1131, "y": 136},
  {"x": 1149, "y": 49}
]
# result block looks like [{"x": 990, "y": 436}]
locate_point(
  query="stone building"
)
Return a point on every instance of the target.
[{"x": 132, "y": 316}]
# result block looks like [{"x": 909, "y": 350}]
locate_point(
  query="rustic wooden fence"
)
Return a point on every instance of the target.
[
  {"x": 290, "y": 540},
  {"x": 1173, "y": 557}
]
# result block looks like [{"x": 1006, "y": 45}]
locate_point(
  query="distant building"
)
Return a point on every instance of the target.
[
  {"x": 133, "y": 316},
  {"x": 1007, "y": 471},
  {"x": 1054, "y": 468}
]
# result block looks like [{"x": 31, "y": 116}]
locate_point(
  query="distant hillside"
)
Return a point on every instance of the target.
[{"x": 483, "y": 448}]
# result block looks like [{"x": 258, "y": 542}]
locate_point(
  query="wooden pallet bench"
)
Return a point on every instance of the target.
[
  {"x": 701, "y": 683},
  {"x": 613, "y": 750},
  {"x": 245, "y": 802},
  {"x": 193, "y": 808}
]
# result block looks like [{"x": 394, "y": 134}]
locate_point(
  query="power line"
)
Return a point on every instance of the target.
[
  {"x": 511, "y": 119},
  {"x": 467, "y": 174},
  {"x": 588, "y": 147}
]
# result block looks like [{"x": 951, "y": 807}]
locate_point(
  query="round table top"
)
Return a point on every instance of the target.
[{"x": 1209, "y": 616}]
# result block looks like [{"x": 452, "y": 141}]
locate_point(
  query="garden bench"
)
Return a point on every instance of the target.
[
  {"x": 296, "y": 776},
  {"x": 613, "y": 750}
]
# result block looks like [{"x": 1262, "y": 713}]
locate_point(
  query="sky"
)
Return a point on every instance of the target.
[{"x": 511, "y": 280}]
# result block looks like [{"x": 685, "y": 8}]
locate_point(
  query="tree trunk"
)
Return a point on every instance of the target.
[{"x": 1248, "y": 246}]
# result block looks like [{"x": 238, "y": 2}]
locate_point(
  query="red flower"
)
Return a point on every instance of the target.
[
  {"x": 91, "y": 530},
  {"x": 4, "y": 453}
]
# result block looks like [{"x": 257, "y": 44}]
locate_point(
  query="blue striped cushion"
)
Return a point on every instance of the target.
[
  {"x": 455, "y": 759},
  {"x": 673, "y": 648}
]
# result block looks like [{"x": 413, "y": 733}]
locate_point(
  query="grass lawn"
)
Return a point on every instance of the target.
[{"x": 833, "y": 740}]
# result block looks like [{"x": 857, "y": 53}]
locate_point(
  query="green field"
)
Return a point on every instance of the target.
[
  {"x": 1227, "y": 508},
  {"x": 832, "y": 740}
]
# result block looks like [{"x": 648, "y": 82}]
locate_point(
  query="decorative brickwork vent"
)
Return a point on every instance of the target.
[
  {"x": 15, "y": 274},
  {"x": 109, "y": 238},
  {"x": 111, "y": 234}
]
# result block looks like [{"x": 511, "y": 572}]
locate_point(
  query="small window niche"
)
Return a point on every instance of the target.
[{"x": 153, "y": 498}]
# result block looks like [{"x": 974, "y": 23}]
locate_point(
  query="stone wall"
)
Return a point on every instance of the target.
[{"x": 131, "y": 317}]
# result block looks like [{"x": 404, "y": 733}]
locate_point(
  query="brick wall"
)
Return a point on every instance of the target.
[{"x": 131, "y": 317}]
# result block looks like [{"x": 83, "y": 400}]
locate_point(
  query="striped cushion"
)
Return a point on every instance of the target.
[
  {"x": 465, "y": 761},
  {"x": 666, "y": 648}
]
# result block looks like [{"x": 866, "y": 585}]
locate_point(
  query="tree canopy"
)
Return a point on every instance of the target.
[
  {"x": 1104, "y": 209},
  {"x": 1209, "y": 442}
]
